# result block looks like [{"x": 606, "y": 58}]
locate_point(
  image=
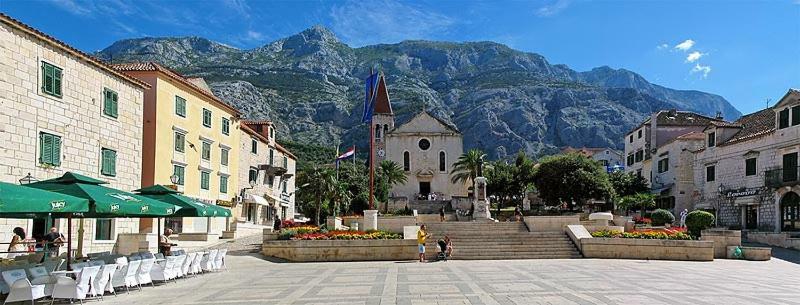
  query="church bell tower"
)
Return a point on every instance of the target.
[{"x": 382, "y": 120}]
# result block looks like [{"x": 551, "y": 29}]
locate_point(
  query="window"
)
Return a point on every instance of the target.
[
  {"x": 283, "y": 190},
  {"x": 712, "y": 139},
  {"x": 223, "y": 157},
  {"x": 179, "y": 171},
  {"x": 252, "y": 175},
  {"x": 226, "y": 126},
  {"x": 206, "y": 152},
  {"x": 271, "y": 132},
  {"x": 206, "y": 117},
  {"x": 750, "y": 167},
  {"x": 108, "y": 161},
  {"x": 424, "y": 144},
  {"x": 180, "y": 142},
  {"x": 385, "y": 129},
  {"x": 377, "y": 131},
  {"x": 103, "y": 229},
  {"x": 710, "y": 173},
  {"x": 406, "y": 161},
  {"x": 639, "y": 134},
  {"x": 630, "y": 139},
  {"x": 604, "y": 163},
  {"x": 204, "y": 180},
  {"x": 223, "y": 184},
  {"x": 49, "y": 149},
  {"x": 253, "y": 146},
  {"x": 110, "y": 103},
  {"x": 663, "y": 165},
  {"x": 639, "y": 156},
  {"x": 51, "y": 79},
  {"x": 442, "y": 161},
  {"x": 271, "y": 153},
  {"x": 180, "y": 106},
  {"x": 783, "y": 118},
  {"x": 285, "y": 162},
  {"x": 795, "y": 115},
  {"x": 630, "y": 159},
  {"x": 269, "y": 180}
]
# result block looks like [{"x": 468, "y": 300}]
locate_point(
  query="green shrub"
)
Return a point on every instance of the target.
[
  {"x": 697, "y": 221},
  {"x": 661, "y": 217}
]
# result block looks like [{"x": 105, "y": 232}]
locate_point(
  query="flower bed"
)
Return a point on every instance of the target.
[
  {"x": 668, "y": 234},
  {"x": 314, "y": 233}
]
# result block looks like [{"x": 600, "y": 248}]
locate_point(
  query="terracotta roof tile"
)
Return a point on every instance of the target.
[
  {"x": 753, "y": 125},
  {"x": 382, "y": 102},
  {"x": 69, "y": 49},
  {"x": 152, "y": 66}
]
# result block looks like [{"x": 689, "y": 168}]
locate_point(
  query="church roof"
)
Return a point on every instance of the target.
[
  {"x": 382, "y": 103},
  {"x": 412, "y": 125}
]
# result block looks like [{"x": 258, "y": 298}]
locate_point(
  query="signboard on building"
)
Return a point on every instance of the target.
[
  {"x": 742, "y": 192},
  {"x": 225, "y": 203}
]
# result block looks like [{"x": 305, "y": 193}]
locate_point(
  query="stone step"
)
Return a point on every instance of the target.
[
  {"x": 539, "y": 243},
  {"x": 512, "y": 256}
]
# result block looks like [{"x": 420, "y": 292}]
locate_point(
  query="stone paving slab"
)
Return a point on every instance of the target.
[{"x": 253, "y": 280}]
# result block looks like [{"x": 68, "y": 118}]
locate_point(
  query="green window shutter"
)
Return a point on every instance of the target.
[
  {"x": 206, "y": 153},
  {"x": 223, "y": 184},
  {"x": 204, "y": 177},
  {"x": 226, "y": 126},
  {"x": 223, "y": 156},
  {"x": 178, "y": 171},
  {"x": 115, "y": 104},
  {"x": 180, "y": 142},
  {"x": 795, "y": 115},
  {"x": 56, "y": 157},
  {"x": 47, "y": 78},
  {"x": 45, "y": 148},
  {"x": 110, "y": 103},
  {"x": 206, "y": 117},
  {"x": 57, "y": 81},
  {"x": 270, "y": 156},
  {"x": 180, "y": 106},
  {"x": 109, "y": 162}
]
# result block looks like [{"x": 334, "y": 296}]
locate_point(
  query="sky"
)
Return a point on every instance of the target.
[{"x": 746, "y": 51}]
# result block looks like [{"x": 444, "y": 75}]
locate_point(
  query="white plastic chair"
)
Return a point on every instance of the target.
[
  {"x": 79, "y": 266},
  {"x": 219, "y": 260},
  {"x": 187, "y": 264},
  {"x": 130, "y": 274},
  {"x": 198, "y": 263},
  {"x": 178, "y": 269},
  {"x": 143, "y": 276},
  {"x": 53, "y": 264},
  {"x": 162, "y": 271},
  {"x": 118, "y": 278},
  {"x": 102, "y": 282},
  {"x": 67, "y": 288},
  {"x": 40, "y": 276},
  {"x": 21, "y": 288},
  {"x": 97, "y": 262},
  {"x": 208, "y": 261}
]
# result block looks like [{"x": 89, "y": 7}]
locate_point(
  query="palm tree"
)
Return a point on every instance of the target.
[
  {"x": 392, "y": 174},
  {"x": 465, "y": 170},
  {"x": 321, "y": 182}
]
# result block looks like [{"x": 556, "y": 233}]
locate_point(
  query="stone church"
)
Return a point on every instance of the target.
[{"x": 425, "y": 147}]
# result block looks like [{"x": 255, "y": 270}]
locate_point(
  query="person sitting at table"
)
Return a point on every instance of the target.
[
  {"x": 164, "y": 243},
  {"x": 17, "y": 246}
]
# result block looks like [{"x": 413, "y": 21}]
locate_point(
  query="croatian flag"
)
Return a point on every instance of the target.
[{"x": 349, "y": 153}]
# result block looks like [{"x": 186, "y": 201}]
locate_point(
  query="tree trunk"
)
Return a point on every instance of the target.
[{"x": 319, "y": 208}]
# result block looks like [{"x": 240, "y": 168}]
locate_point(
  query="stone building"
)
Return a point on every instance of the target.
[
  {"x": 63, "y": 110},
  {"x": 673, "y": 182},
  {"x": 659, "y": 128},
  {"x": 748, "y": 172},
  {"x": 192, "y": 135},
  {"x": 610, "y": 159},
  {"x": 266, "y": 178}
]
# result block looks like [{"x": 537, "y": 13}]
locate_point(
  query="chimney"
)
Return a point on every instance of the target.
[
  {"x": 719, "y": 115},
  {"x": 673, "y": 112}
]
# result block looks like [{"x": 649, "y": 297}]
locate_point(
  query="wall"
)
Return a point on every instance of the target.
[
  {"x": 550, "y": 223},
  {"x": 722, "y": 239},
  {"x": 77, "y": 117},
  {"x": 341, "y": 250},
  {"x": 782, "y": 240},
  {"x": 629, "y": 248}
]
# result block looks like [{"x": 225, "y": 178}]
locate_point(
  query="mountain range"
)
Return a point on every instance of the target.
[{"x": 502, "y": 100}]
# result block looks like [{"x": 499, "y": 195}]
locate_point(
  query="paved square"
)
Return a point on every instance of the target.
[{"x": 252, "y": 280}]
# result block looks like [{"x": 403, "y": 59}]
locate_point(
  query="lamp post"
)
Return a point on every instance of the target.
[{"x": 28, "y": 179}]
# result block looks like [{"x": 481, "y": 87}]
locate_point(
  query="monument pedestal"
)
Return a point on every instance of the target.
[
  {"x": 481, "y": 212},
  {"x": 370, "y": 220}
]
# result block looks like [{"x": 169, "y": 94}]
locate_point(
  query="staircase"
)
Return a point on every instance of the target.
[{"x": 499, "y": 240}]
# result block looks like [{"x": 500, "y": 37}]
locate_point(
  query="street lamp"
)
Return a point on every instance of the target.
[
  {"x": 28, "y": 179},
  {"x": 174, "y": 179}
]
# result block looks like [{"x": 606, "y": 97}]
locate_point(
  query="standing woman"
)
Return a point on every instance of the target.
[{"x": 17, "y": 246}]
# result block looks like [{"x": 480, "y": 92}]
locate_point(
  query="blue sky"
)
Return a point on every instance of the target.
[{"x": 746, "y": 51}]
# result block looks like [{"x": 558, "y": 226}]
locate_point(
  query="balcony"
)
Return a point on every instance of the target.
[
  {"x": 273, "y": 168},
  {"x": 779, "y": 177}
]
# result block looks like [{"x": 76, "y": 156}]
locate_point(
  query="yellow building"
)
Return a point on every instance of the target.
[{"x": 190, "y": 136}]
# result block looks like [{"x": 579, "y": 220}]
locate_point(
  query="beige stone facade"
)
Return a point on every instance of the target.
[
  {"x": 266, "y": 178},
  {"x": 76, "y": 117},
  {"x": 426, "y": 148}
]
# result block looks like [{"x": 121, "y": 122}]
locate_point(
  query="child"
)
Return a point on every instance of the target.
[{"x": 422, "y": 235}]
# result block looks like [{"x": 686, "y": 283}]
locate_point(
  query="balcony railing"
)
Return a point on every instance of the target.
[{"x": 782, "y": 176}]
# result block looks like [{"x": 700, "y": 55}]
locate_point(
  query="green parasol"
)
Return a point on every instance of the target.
[
  {"x": 18, "y": 201},
  {"x": 189, "y": 207}
]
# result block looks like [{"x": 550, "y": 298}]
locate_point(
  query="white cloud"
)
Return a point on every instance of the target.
[
  {"x": 253, "y": 35},
  {"x": 698, "y": 68},
  {"x": 74, "y": 7},
  {"x": 662, "y": 46},
  {"x": 694, "y": 56},
  {"x": 685, "y": 45},
  {"x": 364, "y": 22},
  {"x": 552, "y": 8}
]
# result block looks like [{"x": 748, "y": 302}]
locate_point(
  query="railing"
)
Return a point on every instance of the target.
[{"x": 782, "y": 176}]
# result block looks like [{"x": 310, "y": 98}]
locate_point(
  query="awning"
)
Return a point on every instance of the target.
[
  {"x": 282, "y": 202},
  {"x": 748, "y": 200},
  {"x": 25, "y": 202},
  {"x": 259, "y": 200}
]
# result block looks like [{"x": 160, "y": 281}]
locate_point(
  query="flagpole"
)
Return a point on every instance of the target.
[
  {"x": 336, "y": 202},
  {"x": 371, "y": 166}
]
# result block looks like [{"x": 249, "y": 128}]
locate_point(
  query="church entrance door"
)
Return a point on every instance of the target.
[{"x": 424, "y": 188}]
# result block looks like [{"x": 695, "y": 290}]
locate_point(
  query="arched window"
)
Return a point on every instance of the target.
[
  {"x": 790, "y": 212},
  {"x": 377, "y": 131},
  {"x": 406, "y": 161},
  {"x": 385, "y": 129},
  {"x": 442, "y": 161}
]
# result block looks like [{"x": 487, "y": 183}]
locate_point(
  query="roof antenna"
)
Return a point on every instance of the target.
[{"x": 768, "y": 101}]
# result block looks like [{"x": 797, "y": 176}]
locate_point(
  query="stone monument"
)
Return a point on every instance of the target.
[{"x": 481, "y": 200}]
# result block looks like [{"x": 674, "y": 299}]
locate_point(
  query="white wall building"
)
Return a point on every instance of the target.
[{"x": 62, "y": 111}]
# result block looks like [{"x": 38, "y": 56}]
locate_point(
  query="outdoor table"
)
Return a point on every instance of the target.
[{"x": 64, "y": 272}]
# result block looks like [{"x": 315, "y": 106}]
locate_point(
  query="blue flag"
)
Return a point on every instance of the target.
[{"x": 371, "y": 86}]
